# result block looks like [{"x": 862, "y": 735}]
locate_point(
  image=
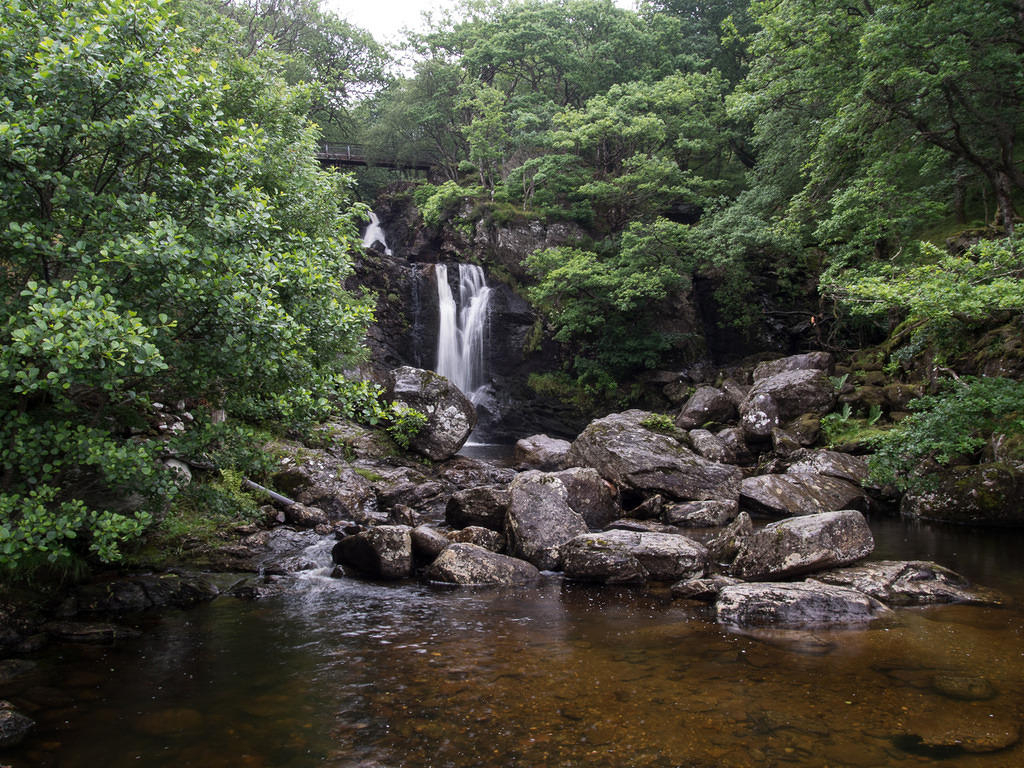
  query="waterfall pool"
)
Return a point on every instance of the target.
[{"x": 346, "y": 673}]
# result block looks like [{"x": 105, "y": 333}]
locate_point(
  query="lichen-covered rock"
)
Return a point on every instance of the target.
[
  {"x": 799, "y": 494},
  {"x": 539, "y": 519},
  {"x": 845, "y": 466},
  {"x": 759, "y": 415},
  {"x": 301, "y": 516},
  {"x": 909, "y": 582},
  {"x": 470, "y": 565},
  {"x": 711, "y": 447},
  {"x": 620, "y": 556},
  {"x": 638, "y": 459},
  {"x": 807, "y": 361},
  {"x": 339, "y": 492},
  {"x": 482, "y": 537},
  {"x": 382, "y": 552},
  {"x": 794, "y": 605},
  {"x": 484, "y": 505},
  {"x": 540, "y": 452},
  {"x": 802, "y": 545},
  {"x": 706, "y": 405},
  {"x": 451, "y": 417},
  {"x": 981, "y": 494},
  {"x": 14, "y": 726},
  {"x": 702, "y": 514}
]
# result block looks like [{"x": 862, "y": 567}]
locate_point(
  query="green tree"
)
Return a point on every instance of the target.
[{"x": 164, "y": 233}]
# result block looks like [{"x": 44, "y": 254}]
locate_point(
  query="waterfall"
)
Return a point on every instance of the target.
[
  {"x": 374, "y": 234},
  {"x": 462, "y": 328}
]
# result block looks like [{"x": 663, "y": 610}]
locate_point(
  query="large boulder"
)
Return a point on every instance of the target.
[
  {"x": 706, "y": 405},
  {"x": 725, "y": 545},
  {"x": 468, "y": 564},
  {"x": 619, "y": 556},
  {"x": 540, "y": 452},
  {"x": 802, "y": 545},
  {"x": 484, "y": 505},
  {"x": 807, "y": 361},
  {"x": 794, "y": 605},
  {"x": 799, "y": 494},
  {"x": 794, "y": 393},
  {"x": 539, "y": 519},
  {"x": 451, "y": 417},
  {"x": 339, "y": 492},
  {"x": 641, "y": 460},
  {"x": 590, "y": 496},
  {"x": 428, "y": 542},
  {"x": 383, "y": 552},
  {"x": 980, "y": 494},
  {"x": 908, "y": 582}
]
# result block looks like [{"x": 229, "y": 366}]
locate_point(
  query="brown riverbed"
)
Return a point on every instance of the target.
[{"x": 343, "y": 673}]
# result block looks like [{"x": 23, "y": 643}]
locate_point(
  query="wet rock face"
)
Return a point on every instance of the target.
[
  {"x": 630, "y": 557},
  {"x": 802, "y": 545},
  {"x": 589, "y": 496},
  {"x": 451, "y": 417},
  {"x": 794, "y": 605},
  {"x": 640, "y": 460},
  {"x": 468, "y": 564},
  {"x": 539, "y": 520},
  {"x": 382, "y": 552}
]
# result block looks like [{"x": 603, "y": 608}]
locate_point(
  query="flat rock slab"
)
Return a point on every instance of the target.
[
  {"x": 909, "y": 582},
  {"x": 790, "y": 605},
  {"x": 845, "y": 466},
  {"x": 801, "y": 545},
  {"x": 799, "y": 494},
  {"x": 618, "y": 556},
  {"x": 702, "y": 514},
  {"x": 808, "y": 360},
  {"x": 470, "y": 565},
  {"x": 639, "y": 459},
  {"x": 540, "y": 452}
]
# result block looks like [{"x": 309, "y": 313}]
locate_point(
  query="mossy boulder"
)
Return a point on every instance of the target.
[{"x": 979, "y": 494}]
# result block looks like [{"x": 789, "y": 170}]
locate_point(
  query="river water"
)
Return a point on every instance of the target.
[{"x": 344, "y": 673}]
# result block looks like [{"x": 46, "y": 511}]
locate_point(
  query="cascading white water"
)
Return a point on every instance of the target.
[
  {"x": 374, "y": 234},
  {"x": 463, "y": 328}
]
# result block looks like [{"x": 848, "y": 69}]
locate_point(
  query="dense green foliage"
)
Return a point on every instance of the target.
[
  {"x": 958, "y": 426},
  {"x": 165, "y": 233},
  {"x": 789, "y": 138}
]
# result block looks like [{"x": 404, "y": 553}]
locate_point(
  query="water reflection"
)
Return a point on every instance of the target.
[{"x": 343, "y": 673}]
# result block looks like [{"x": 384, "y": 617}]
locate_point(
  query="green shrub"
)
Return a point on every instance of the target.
[{"x": 950, "y": 427}]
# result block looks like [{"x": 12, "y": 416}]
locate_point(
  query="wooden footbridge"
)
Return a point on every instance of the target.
[{"x": 340, "y": 155}]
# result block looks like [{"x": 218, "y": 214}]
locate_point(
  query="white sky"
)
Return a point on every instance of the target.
[{"x": 385, "y": 19}]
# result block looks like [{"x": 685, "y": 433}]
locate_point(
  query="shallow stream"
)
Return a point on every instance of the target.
[{"x": 344, "y": 673}]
